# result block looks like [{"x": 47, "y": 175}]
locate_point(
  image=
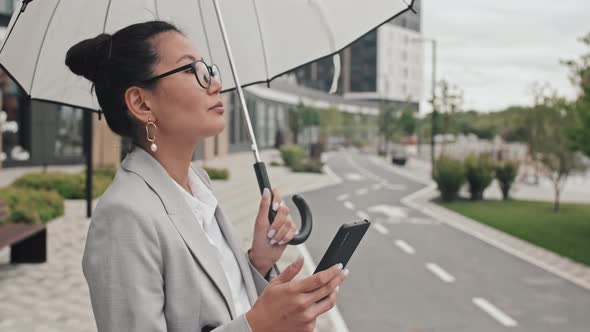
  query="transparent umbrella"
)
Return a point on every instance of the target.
[{"x": 259, "y": 40}]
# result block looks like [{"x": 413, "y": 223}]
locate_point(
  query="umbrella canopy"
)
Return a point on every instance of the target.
[{"x": 268, "y": 37}]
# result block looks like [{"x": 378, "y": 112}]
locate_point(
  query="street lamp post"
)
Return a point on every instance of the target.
[{"x": 434, "y": 113}]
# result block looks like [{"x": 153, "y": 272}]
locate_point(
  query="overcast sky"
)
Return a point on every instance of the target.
[{"x": 495, "y": 49}]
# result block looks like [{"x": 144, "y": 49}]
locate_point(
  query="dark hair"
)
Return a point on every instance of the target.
[{"x": 115, "y": 62}]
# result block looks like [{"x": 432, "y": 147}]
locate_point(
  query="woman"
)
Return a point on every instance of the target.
[{"x": 160, "y": 255}]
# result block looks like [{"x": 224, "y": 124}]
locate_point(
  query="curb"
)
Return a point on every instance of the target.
[{"x": 508, "y": 243}]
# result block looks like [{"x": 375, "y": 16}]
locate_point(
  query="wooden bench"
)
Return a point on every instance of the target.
[{"x": 28, "y": 242}]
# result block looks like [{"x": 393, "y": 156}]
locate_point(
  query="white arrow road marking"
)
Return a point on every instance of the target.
[
  {"x": 405, "y": 247},
  {"x": 395, "y": 187},
  {"x": 381, "y": 229},
  {"x": 493, "y": 311},
  {"x": 439, "y": 272},
  {"x": 342, "y": 197},
  {"x": 391, "y": 211},
  {"x": 353, "y": 176},
  {"x": 349, "y": 205}
]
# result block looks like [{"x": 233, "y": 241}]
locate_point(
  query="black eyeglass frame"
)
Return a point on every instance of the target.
[{"x": 192, "y": 65}]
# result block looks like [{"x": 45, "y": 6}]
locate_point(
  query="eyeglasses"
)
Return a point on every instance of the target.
[{"x": 203, "y": 73}]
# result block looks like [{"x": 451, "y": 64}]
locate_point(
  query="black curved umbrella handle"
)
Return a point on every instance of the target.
[{"x": 304, "y": 211}]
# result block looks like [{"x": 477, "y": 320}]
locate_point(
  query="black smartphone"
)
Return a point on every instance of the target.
[{"x": 344, "y": 244}]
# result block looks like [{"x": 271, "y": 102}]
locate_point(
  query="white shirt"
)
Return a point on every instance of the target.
[{"x": 203, "y": 204}]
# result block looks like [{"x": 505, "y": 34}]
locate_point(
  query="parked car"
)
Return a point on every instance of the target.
[{"x": 399, "y": 156}]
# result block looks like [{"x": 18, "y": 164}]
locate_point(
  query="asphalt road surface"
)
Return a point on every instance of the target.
[{"x": 412, "y": 273}]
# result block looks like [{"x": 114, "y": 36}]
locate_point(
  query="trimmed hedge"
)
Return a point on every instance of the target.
[
  {"x": 308, "y": 166},
  {"x": 449, "y": 175},
  {"x": 506, "y": 174},
  {"x": 479, "y": 172},
  {"x": 68, "y": 185},
  {"x": 292, "y": 154},
  {"x": 217, "y": 173},
  {"x": 31, "y": 206}
]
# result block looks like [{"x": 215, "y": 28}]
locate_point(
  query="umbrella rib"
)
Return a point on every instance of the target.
[
  {"x": 106, "y": 16},
  {"x": 320, "y": 58},
  {"x": 264, "y": 50},
  {"x": 156, "y": 9},
  {"x": 11, "y": 28},
  {"x": 41, "y": 46},
  {"x": 205, "y": 30}
]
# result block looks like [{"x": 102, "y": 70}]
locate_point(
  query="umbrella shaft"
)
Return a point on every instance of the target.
[{"x": 254, "y": 146}]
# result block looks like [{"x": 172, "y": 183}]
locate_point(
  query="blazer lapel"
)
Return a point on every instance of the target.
[
  {"x": 151, "y": 171},
  {"x": 235, "y": 243}
]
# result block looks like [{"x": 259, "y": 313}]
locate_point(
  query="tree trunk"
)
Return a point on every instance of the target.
[
  {"x": 556, "y": 203},
  {"x": 505, "y": 190}
]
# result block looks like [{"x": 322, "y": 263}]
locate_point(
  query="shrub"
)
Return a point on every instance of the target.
[
  {"x": 292, "y": 154},
  {"x": 108, "y": 172},
  {"x": 217, "y": 173},
  {"x": 308, "y": 166},
  {"x": 275, "y": 163},
  {"x": 506, "y": 174},
  {"x": 479, "y": 172},
  {"x": 68, "y": 185},
  {"x": 31, "y": 206},
  {"x": 449, "y": 175}
]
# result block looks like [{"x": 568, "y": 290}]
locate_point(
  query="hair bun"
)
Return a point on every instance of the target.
[{"x": 86, "y": 57}]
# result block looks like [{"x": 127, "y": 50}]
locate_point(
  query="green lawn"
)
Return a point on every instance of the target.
[{"x": 566, "y": 232}]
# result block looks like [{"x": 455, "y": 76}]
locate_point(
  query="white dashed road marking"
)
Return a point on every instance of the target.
[
  {"x": 362, "y": 191},
  {"x": 349, "y": 205},
  {"x": 380, "y": 228},
  {"x": 342, "y": 197},
  {"x": 439, "y": 272},
  {"x": 405, "y": 247},
  {"x": 362, "y": 215},
  {"x": 493, "y": 311}
]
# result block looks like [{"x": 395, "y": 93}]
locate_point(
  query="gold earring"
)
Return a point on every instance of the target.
[{"x": 153, "y": 147}]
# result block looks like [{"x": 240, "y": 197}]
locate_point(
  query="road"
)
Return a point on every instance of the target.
[{"x": 412, "y": 273}]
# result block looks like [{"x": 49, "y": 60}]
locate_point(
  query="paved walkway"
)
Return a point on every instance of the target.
[{"x": 54, "y": 296}]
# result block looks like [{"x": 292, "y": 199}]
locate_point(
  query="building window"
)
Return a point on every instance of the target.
[
  {"x": 15, "y": 130},
  {"x": 7, "y": 7},
  {"x": 68, "y": 139}
]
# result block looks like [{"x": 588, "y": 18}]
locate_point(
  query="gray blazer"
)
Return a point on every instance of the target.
[{"x": 148, "y": 263}]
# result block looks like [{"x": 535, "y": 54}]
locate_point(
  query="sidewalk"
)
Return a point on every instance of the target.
[
  {"x": 576, "y": 190},
  {"x": 54, "y": 296},
  {"x": 421, "y": 200}
]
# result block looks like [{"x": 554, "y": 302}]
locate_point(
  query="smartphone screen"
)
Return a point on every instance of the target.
[{"x": 344, "y": 244}]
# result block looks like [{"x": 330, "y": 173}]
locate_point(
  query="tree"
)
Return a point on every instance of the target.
[
  {"x": 580, "y": 76},
  {"x": 407, "y": 122},
  {"x": 386, "y": 125},
  {"x": 330, "y": 122},
  {"x": 549, "y": 122},
  {"x": 449, "y": 102},
  {"x": 296, "y": 121}
]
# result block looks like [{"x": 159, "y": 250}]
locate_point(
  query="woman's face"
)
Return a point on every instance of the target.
[{"x": 183, "y": 109}]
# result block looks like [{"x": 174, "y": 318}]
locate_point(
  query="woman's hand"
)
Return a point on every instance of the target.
[
  {"x": 270, "y": 241},
  {"x": 288, "y": 305}
]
